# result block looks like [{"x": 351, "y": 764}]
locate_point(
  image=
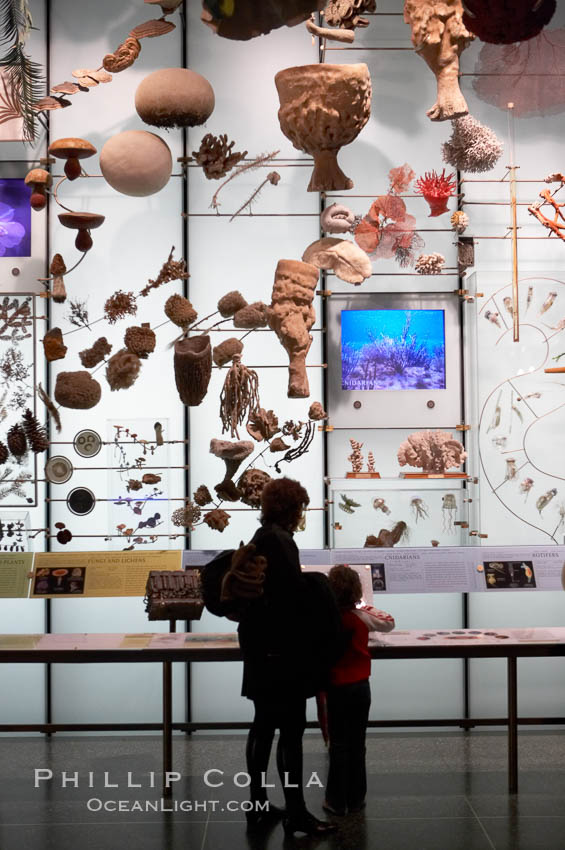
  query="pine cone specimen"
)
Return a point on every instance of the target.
[
  {"x": 180, "y": 311},
  {"x": 217, "y": 519},
  {"x": 3, "y": 454},
  {"x": 91, "y": 357},
  {"x": 216, "y": 157},
  {"x": 17, "y": 443},
  {"x": 140, "y": 340},
  {"x": 201, "y": 496},
  {"x": 230, "y": 303},
  {"x": 347, "y": 13},
  {"x": 122, "y": 370},
  {"x": 35, "y": 433}
]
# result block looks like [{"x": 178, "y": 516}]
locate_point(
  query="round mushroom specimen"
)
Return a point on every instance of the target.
[
  {"x": 174, "y": 97},
  {"x": 136, "y": 163},
  {"x": 39, "y": 180},
  {"x": 72, "y": 150},
  {"x": 84, "y": 222}
]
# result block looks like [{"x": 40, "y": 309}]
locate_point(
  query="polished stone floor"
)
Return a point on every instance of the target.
[{"x": 427, "y": 791}]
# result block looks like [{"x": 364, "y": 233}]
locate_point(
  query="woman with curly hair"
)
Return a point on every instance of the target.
[{"x": 287, "y": 653}]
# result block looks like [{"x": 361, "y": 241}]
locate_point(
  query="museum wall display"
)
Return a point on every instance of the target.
[{"x": 241, "y": 246}]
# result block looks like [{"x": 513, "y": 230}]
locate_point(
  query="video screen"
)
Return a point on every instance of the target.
[{"x": 392, "y": 350}]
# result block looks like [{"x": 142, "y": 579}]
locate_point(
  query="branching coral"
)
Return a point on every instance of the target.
[
  {"x": 250, "y": 486},
  {"x": 230, "y": 303},
  {"x": 239, "y": 396},
  {"x": 430, "y": 263},
  {"x": 122, "y": 369},
  {"x": 91, "y": 357},
  {"x": 226, "y": 351},
  {"x": 120, "y": 304},
  {"x": 180, "y": 311},
  {"x": 77, "y": 390},
  {"x": 472, "y": 146},
  {"x": 140, "y": 340},
  {"x": 432, "y": 451},
  {"x": 216, "y": 156}
]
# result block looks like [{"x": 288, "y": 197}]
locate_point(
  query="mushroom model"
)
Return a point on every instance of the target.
[
  {"x": 136, "y": 163},
  {"x": 72, "y": 150},
  {"x": 174, "y": 97},
  {"x": 84, "y": 222},
  {"x": 39, "y": 180}
]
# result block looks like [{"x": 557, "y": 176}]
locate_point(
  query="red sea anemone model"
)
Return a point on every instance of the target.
[{"x": 436, "y": 189}]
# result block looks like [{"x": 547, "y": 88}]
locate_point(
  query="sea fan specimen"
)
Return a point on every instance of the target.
[
  {"x": 432, "y": 451},
  {"x": 436, "y": 189},
  {"x": 472, "y": 146},
  {"x": 507, "y": 21}
]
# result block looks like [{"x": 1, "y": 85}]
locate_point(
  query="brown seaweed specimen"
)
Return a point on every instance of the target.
[{"x": 439, "y": 36}]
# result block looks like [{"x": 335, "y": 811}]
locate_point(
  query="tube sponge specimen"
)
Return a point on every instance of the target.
[
  {"x": 122, "y": 369},
  {"x": 77, "y": 390}
]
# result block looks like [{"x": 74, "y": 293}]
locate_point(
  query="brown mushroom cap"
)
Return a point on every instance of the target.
[
  {"x": 227, "y": 450},
  {"x": 38, "y": 175},
  {"x": 77, "y": 148},
  {"x": 81, "y": 220}
]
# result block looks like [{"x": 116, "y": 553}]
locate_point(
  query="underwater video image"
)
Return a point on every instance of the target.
[{"x": 392, "y": 349}]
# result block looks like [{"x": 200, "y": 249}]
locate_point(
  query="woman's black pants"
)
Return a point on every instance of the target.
[
  {"x": 289, "y": 717},
  {"x": 348, "y": 713}
]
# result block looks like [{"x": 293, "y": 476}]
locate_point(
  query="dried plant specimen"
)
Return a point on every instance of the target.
[
  {"x": 119, "y": 305},
  {"x": 239, "y": 397},
  {"x": 431, "y": 451},
  {"x": 430, "y": 263},
  {"x": 472, "y": 146},
  {"x": 17, "y": 443},
  {"x": 291, "y": 315},
  {"x": 226, "y": 350},
  {"x": 123, "y": 369},
  {"x": 263, "y": 424},
  {"x": 187, "y": 516},
  {"x": 25, "y": 79},
  {"x": 193, "y": 368},
  {"x": 15, "y": 319},
  {"x": 180, "y": 311},
  {"x": 77, "y": 390},
  {"x": 250, "y": 486},
  {"x": 216, "y": 156},
  {"x": 3, "y": 454},
  {"x": 202, "y": 496},
  {"x": 349, "y": 13},
  {"x": 35, "y": 433},
  {"x": 11, "y": 118},
  {"x": 140, "y": 340},
  {"x": 53, "y": 345},
  {"x": 217, "y": 519},
  {"x": 170, "y": 270},
  {"x": 439, "y": 36},
  {"x": 230, "y": 303},
  {"x": 91, "y": 357},
  {"x": 78, "y": 314}
]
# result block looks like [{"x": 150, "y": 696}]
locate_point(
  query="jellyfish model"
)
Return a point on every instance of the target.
[
  {"x": 526, "y": 486},
  {"x": 448, "y": 509},
  {"x": 419, "y": 509},
  {"x": 381, "y": 505}
]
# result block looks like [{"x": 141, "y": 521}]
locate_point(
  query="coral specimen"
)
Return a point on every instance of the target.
[
  {"x": 432, "y": 451},
  {"x": 507, "y": 21},
  {"x": 291, "y": 315},
  {"x": 459, "y": 221},
  {"x": 122, "y": 369},
  {"x": 348, "y": 13},
  {"x": 57, "y": 269},
  {"x": 262, "y": 424},
  {"x": 230, "y": 303},
  {"x": 217, "y": 519},
  {"x": 226, "y": 351},
  {"x": 140, "y": 340},
  {"x": 77, "y": 390},
  {"x": 356, "y": 456},
  {"x": 17, "y": 443},
  {"x": 202, "y": 496},
  {"x": 239, "y": 396},
  {"x": 35, "y": 433},
  {"x": 251, "y": 484},
  {"x": 193, "y": 368},
  {"x": 216, "y": 156},
  {"x": 436, "y": 189},
  {"x": 471, "y": 146},
  {"x": 430, "y": 263},
  {"x": 323, "y": 108},
  {"x": 187, "y": 516},
  {"x": 278, "y": 445},
  {"x": 180, "y": 311},
  {"x": 439, "y": 36},
  {"x": 170, "y": 270},
  {"x": 345, "y": 258},
  {"x": 252, "y": 316},
  {"x": 337, "y": 219},
  {"x": 317, "y": 412},
  {"x": 249, "y": 18},
  {"x": 553, "y": 225},
  {"x": 94, "y": 355},
  {"x": 371, "y": 462},
  {"x": 120, "y": 304},
  {"x": 233, "y": 454},
  {"x": 53, "y": 345}
]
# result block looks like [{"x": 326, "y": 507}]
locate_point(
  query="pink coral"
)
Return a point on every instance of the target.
[{"x": 432, "y": 451}]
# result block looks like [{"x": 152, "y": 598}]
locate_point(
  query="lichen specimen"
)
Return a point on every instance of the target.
[
  {"x": 170, "y": 270},
  {"x": 436, "y": 189},
  {"x": 17, "y": 442},
  {"x": 471, "y": 146},
  {"x": 459, "y": 221},
  {"x": 348, "y": 13},
  {"x": 202, "y": 496},
  {"x": 430, "y": 263},
  {"x": 187, "y": 516},
  {"x": 119, "y": 305},
  {"x": 239, "y": 397},
  {"x": 217, "y": 519},
  {"x": 180, "y": 311},
  {"x": 226, "y": 350},
  {"x": 431, "y": 451},
  {"x": 230, "y": 303},
  {"x": 251, "y": 316},
  {"x": 439, "y": 36},
  {"x": 35, "y": 433},
  {"x": 91, "y": 357},
  {"x": 250, "y": 486},
  {"x": 140, "y": 340},
  {"x": 122, "y": 369},
  {"x": 216, "y": 156},
  {"x": 77, "y": 390},
  {"x": 291, "y": 315},
  {"x": 263, "y": 424}
]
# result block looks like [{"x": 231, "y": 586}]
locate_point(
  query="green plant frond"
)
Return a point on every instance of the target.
[
  {"x": 15, "y": 21},
  {"x": 28, "y": 83}
]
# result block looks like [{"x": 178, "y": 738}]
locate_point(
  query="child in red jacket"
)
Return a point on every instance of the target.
[{"x": 349, "y": 695}]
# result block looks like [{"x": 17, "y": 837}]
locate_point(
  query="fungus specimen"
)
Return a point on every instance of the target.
[
  {"x": 174, "y": 97},
  {"x": 84, "y": 222},
  {"x": 72, "y": 151},
  {"x": 39, "y": 180}
]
